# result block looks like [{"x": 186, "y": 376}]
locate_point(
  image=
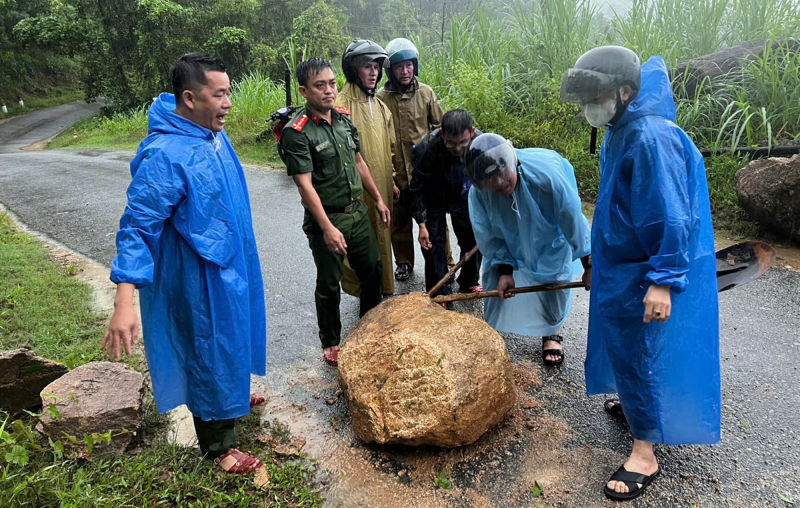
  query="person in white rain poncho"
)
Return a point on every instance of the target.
[{"x": 527, "y": 217}]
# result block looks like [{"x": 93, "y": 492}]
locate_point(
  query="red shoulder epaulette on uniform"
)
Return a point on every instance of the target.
[
  {"x": 342, "y": 110},
  {"x": 300, "y": 123}
]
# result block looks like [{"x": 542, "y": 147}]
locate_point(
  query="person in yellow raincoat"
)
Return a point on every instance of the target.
[
  {"x": 362, "y": 63},
  {"x": 417, "y": 113}
]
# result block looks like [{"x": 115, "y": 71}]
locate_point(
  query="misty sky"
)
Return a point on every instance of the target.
[{"x": 605, "y": 6}]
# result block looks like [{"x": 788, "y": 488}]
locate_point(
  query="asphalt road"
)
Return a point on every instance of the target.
[
  {"x": 23, "y": 130},
  {"x": 77, "y": 196}
]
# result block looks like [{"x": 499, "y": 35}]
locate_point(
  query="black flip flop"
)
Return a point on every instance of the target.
[
  {"x": 552, "y": 352},
  {"x": 403, "y": 272},
  {"x": 615, "y": 409},
  {"x": 632, "y": 480}
]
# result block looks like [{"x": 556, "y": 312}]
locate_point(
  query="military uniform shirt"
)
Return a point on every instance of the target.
[{"x": 328, "y": 152}]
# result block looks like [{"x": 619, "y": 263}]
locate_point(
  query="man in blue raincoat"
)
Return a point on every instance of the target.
[
  {"x": 653, "y": 317},
  {"x": 527, "y": 217},
  {"x": 186, "y": 243}
]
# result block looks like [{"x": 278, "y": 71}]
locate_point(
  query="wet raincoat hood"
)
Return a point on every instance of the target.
[
  {"x": 652, "y": 225},
  {"x": 186, "y": 241},
  {"x": 655, "y": 96},
  {"x": 162, "y": 119}
]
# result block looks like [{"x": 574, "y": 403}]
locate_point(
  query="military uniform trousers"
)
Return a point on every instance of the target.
[
  {"x": 363, "y": 257},
  {"x": 215, "y": 437}
]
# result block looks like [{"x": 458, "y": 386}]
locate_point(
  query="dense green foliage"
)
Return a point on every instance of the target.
[
  {"x": 500, "y": 60},
  {"x": 33, "y": 70},
  {"x": 503, "y": 62}
]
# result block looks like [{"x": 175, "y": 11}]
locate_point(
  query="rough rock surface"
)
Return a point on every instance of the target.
[
  {"x": 94, "y": 398},
  {"x": 22, "y": 377},
  {"x": 725, "y": 62},
  {"x": 769, "y": 190},
  {"x": 416, "y": 374}
]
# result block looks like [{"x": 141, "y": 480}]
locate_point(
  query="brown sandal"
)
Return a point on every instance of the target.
[
  {"x": 332, "y": 358},
  {"x": 244, "y": 462}
]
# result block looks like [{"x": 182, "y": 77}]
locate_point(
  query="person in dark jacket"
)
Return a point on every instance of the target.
[{"x": 438, "y": 187}]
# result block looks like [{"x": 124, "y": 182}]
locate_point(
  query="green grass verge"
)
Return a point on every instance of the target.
[
  {"x": 160, "y": 475},
  {"x": 41, "y": 305},
  {"x": 55, "y": 97},
  {"x": 44, "y": 307},
  {"x": 125, "y": 132}
]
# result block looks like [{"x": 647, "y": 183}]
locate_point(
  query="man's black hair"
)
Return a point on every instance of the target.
[
  {"x": 190, "y": 70},
  {"x": 315, "y": 65},
  {"x": 455, "y": 122}
]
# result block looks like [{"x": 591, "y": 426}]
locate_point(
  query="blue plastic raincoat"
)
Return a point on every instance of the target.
[
  {"x": 186, "y": 241},
  {"x": 652, "y": 225},
  {"x": 541, "y": 232}
]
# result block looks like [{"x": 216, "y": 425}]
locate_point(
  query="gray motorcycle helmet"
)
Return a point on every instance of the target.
[
  {"x": 360, "y": 52},
  {"x": 400, "y": 50},
  {"x": 600, "y": 71}
]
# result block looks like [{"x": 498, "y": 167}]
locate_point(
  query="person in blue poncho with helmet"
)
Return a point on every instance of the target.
[
  {"x": 186, "y": 243},
  {"x": 653, "y": 316},
  {"x": 529, "y": 225}
]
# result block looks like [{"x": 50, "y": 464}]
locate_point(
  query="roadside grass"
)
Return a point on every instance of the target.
[
  {"x": 53, "y": 97},
  {"x": 125, "y": 132},
  {"x": 160, "y": 474},
  {"x": 43, "y": 306},
  {"x": 254, "y": 98},
  {"x": 122, "y": 131}
]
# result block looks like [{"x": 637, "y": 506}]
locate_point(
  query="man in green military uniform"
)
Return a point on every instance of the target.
[{"x": 323, "y": 157}]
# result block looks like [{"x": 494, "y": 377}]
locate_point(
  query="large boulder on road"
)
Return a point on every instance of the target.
[
  {"x": 94, "y": 399},
  {"x": 769, "y": 190},
  {"x": 416, "y": 374},
  {"x": 22, "y": 377}
]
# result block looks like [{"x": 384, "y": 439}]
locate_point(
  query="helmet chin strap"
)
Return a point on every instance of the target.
[
  {"x": 621, "y": 109},
  {"x": 359, "y": 84}
]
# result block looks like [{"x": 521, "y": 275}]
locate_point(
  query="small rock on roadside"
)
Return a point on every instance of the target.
[
  {"x": 297, "y": 442},
  {"x": 94, "y": 399},
  {"x": 261, "y": 478},
  {"x": 286, "y": 450}
]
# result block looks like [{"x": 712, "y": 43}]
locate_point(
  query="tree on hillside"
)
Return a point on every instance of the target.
[{"x": 319, "y": 30}]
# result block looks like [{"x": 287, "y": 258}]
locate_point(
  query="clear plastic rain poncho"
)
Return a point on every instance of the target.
[{"x": 539, "y": 229}]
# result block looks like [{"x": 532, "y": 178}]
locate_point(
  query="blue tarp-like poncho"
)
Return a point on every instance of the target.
[
  {"x": 652, "y": 225},
  {"x": 541, "y": 232},
  {"x": 186, "y": 241}
]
